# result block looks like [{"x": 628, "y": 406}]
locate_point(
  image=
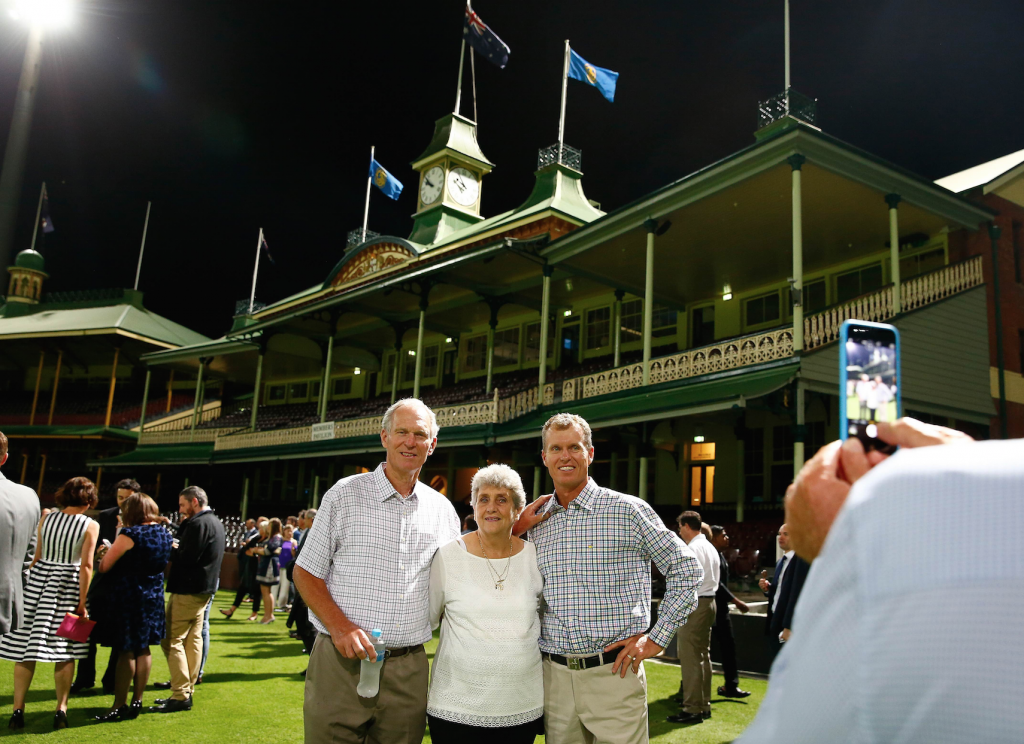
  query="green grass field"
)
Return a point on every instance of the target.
[
  {"x": 252, "y": 691},
  {"x": 885, "y": 413}
]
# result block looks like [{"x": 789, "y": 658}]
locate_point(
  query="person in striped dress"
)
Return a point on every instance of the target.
[{"x": 58, "y": 581}]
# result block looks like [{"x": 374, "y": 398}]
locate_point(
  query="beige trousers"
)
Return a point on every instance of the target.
[
  {"x": 183, "y": 641},
  {"x": 333, "y": 712},
  {"x": 694, "y": 643},
  {"x": 594, "y": 706}
]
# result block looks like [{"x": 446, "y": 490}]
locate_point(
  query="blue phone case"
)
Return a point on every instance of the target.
[{"x": 844, "y": 423}]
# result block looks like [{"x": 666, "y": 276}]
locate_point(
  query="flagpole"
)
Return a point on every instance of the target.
[
  {"x": 255, "y": 271},
  {"x": 142, "y": 248},
  {"x": 565, "y": 85},
  {"x": 472, "y": 74},
  {"x": 787, "y": 42},
  {"x": 39, "y": 211},
  {"x": 458, "y": 88},
  {"x": 366, "y": 209}
]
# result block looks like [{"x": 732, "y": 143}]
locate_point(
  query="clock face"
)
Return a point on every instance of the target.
[
  {"x": 463, "y": 186},
  {"x": 433, "y": 182}
]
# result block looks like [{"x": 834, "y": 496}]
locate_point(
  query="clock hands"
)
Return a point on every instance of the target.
[{"x": 428, "y": 182}]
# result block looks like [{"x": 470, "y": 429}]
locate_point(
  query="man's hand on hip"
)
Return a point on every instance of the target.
[
  {"x": 634, "y": 650},
  {"x": 352, "y": 642}
]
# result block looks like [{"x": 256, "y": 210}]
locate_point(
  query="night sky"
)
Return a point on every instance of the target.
[{"x": 230, "y": 116}]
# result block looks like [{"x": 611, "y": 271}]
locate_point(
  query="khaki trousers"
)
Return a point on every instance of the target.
[
  {"x": 694, "y": 643},
  {"x": 334, "y": 712},
  {"x": 594, "y": 706},
  {"x": 183, "y": 644}
]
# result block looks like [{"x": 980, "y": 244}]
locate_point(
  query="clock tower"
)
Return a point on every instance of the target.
[{"x": 451, "y": 168}]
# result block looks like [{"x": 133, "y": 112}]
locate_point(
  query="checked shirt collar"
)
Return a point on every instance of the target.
[
  {"x": 385, "y": 489},
  {"x": 585, "y": 499}
]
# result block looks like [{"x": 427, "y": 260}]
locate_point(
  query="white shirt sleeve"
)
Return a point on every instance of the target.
[{"x": 436, "y": 592}]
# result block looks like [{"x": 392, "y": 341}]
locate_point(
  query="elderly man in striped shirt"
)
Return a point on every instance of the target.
[
  {"x": 594, "y": 549},
  {"x": 365, "y": 564}
]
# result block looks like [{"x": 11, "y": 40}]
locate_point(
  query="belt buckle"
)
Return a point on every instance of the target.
[{"x": 573, "y": 663}]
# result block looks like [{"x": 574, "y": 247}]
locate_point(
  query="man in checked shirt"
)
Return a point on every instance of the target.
[
  {"x": 594, "y": 550},
  {"x": 365, "y": 564}
]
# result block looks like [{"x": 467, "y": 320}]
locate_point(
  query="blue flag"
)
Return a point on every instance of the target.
[
  {"x": 602, "y": 79},
  {"x": 384, "y": 180},
  {"x": 485, "y": 41}
]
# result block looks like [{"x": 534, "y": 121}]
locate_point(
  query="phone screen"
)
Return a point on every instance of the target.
[{"x": 871, "y": 383}]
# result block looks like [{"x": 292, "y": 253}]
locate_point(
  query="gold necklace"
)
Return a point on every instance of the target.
[{"x": 499, "y": 578}]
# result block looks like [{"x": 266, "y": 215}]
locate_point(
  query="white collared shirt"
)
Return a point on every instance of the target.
[
  {"x": 909, "y": 625},
  {"x": 709, "y": 561},
  {"x": 788, "y": 555}
]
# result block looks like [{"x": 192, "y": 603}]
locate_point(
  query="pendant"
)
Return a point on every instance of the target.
[{"x": 500, "y": 585}]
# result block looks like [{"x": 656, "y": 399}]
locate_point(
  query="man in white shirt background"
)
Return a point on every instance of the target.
[{"x": 693, "y": 640}]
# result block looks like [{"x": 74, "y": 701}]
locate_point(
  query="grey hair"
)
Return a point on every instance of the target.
[
  {"x": 562, "y": 421},
  {"x": 310, "y": 514},
  {"x": 500, "y": 476},
  {"x": 389, "y": 415}
]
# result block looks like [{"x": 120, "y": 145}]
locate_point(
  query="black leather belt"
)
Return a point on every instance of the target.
[
  {"x": 391, "y": 653},
  {"x": 583, "y": 662}
]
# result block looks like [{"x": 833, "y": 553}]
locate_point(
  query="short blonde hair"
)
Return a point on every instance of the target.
[
  {"x": 562, "y": 421},
  {"x": 500, "y": 476}
]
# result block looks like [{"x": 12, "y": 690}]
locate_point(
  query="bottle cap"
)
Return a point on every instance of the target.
[{"x": 376, "y": 633}]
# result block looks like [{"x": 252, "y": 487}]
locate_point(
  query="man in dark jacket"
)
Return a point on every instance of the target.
[
  {"x": 110, "y": 527},
  {"x": 722, "y": 630},
  {"x": 783, "y": 591},
  {"x": 195, "y": 571},
  {"x": 304, "y": 630}
]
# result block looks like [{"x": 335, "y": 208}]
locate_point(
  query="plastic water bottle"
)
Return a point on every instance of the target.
[{"x": 369, "y": 670}]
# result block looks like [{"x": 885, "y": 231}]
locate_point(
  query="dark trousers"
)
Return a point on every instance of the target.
[
  {"x": 726, "y": 648},
  {"x": 254, "y": 593},
  {"x": 299, "y": 616},
  {"x": 87, "y": 669},
  {"x": 447, "y": 732}
]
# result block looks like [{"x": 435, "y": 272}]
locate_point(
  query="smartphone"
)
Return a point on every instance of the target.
[{"x": 869, "y": 381}]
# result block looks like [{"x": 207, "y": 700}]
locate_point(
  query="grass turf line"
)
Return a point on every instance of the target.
[{"x": 252, "y": 690}]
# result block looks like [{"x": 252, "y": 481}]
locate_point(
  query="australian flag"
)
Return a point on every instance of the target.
[
  {"x": 485, "y": 41},
  {"x": 44, "y": 215}
]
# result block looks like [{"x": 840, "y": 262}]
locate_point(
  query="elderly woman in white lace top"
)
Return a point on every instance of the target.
[{"x": 487, "y": 684}]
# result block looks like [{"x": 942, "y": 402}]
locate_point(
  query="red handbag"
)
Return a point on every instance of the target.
[{"x": 75, "y": 628}]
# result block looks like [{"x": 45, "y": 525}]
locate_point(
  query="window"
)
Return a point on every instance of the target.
[
  {"x": 763, "y": 309},
  {"x": 506, "y": 347},
  {"x": 857, "y": 282},
  {"x": 408, "y": 365},
  {"x": 389, "y": 370},
  {"x": 314, "y": 389},
  {"x": 814, "y": 297},
  {"x": 276, "y": 393},
  {"x": 922, "y": 263},
  {"x": 1018, "y": 249},
  {"x": 599, "y": 324},
  {"x": 753, "y": 464},
  {"x": 343, "y": 386},
  {"x": 531, "y": 352},
  {"x": 430, "y": 355},
  {"x": 814, "y": 438},
  {"x": 632, "y": 326},
  {"x": 782, "y": 461},
  {"x": 476, "y": 354},
  {"x": 664, "y": 321},
  {"x": 703, "y": 325},
  {"x": 298, "y": 390}
]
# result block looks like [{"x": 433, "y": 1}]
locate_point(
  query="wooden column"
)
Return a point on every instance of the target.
[
  {"x": 42, "y": 473},
  {"x": 56, "y": 381},
  {"x": 542, "y": 354},
  {"x": 651, "y": 226},
  {"x": 617, "y": 327},
  {"x": 419, "y": 348},
  {"x": 113, "y": 383},
  {"x": 145, "y": 401},
  {"x": 796, "y": 163},
  {"x": 195, "y": 402},
  {"x": 893, "y": 201},
  {"x": 35, "y": 396},
  {"x": 170, "y": 390},
  {"x": 325, "y": 392},
  {"x": 256, "y": 391}
]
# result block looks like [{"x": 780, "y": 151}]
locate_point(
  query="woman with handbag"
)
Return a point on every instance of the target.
[
  {"x": 134, "y": 567},
  {"x": 247, "y": 563},
  {"x": 268, "y": 573},
  {"x": 58, "y": 581}
]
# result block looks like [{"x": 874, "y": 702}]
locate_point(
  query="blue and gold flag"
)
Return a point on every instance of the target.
[
  {"x": 602, "y": 79},
  {"x": 384, "y": 181}
]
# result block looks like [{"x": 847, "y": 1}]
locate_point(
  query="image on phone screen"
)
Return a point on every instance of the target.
[{"x": 871, "y": 383}]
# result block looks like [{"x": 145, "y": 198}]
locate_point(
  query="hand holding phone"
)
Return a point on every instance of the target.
[{"x": 869, "y": 382}]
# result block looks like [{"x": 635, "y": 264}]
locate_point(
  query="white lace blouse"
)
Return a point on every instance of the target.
[{"x": 487, "y": 670}]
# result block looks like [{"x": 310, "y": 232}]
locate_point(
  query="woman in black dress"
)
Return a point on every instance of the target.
[
  {"x": 247, "y": 563},
  {"x": 134, "y": 565}
]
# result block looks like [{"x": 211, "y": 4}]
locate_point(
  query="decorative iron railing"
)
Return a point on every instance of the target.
[
  {"x": 556, "y": 153},
  {"x": 83, "y": 295},
  {"x": 182, "y": 419},
  {"x": 359, "y": 236},
  {"x": 787, "y": 103},
  {"x": 183, "y": 436},
  {"x": 242, "y": 307}
]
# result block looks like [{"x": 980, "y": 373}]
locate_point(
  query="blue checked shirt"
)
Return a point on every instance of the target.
[
  {"x": 373, "y": 549},
  {"x": 595, "y": 557}
]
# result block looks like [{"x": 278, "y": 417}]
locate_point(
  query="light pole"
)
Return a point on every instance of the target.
[{"x": 40, "y": 15}]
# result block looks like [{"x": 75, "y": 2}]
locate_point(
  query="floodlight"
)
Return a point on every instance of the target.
[{"x": 44, "y": 13}]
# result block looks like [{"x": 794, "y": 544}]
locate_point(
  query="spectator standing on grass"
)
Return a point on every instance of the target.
[
  {"x": 268, "y": 572},
  {"x": 878, "y": 653},
  {"x": 782, "y": 603},
  {"x": 364, "y": 565},
  {"x": 195, "y": 571},
  {"x": 19, "y": 519},
  {"x": 58, "y": 581},
  {"x": 248, "y": 564},
  {"x": 283, "y": 590},
  {"x": 133, "y": 569},
  {"x": 693, "y": 640},
  {"x": 99, "y": 601},
  {"x": 594, "y": 550},
  {"x": 722, "y": 632},
  {"x": 299, "y": 616}
]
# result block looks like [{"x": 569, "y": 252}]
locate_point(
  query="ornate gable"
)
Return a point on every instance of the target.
[{"x": 371, "y": 258}]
